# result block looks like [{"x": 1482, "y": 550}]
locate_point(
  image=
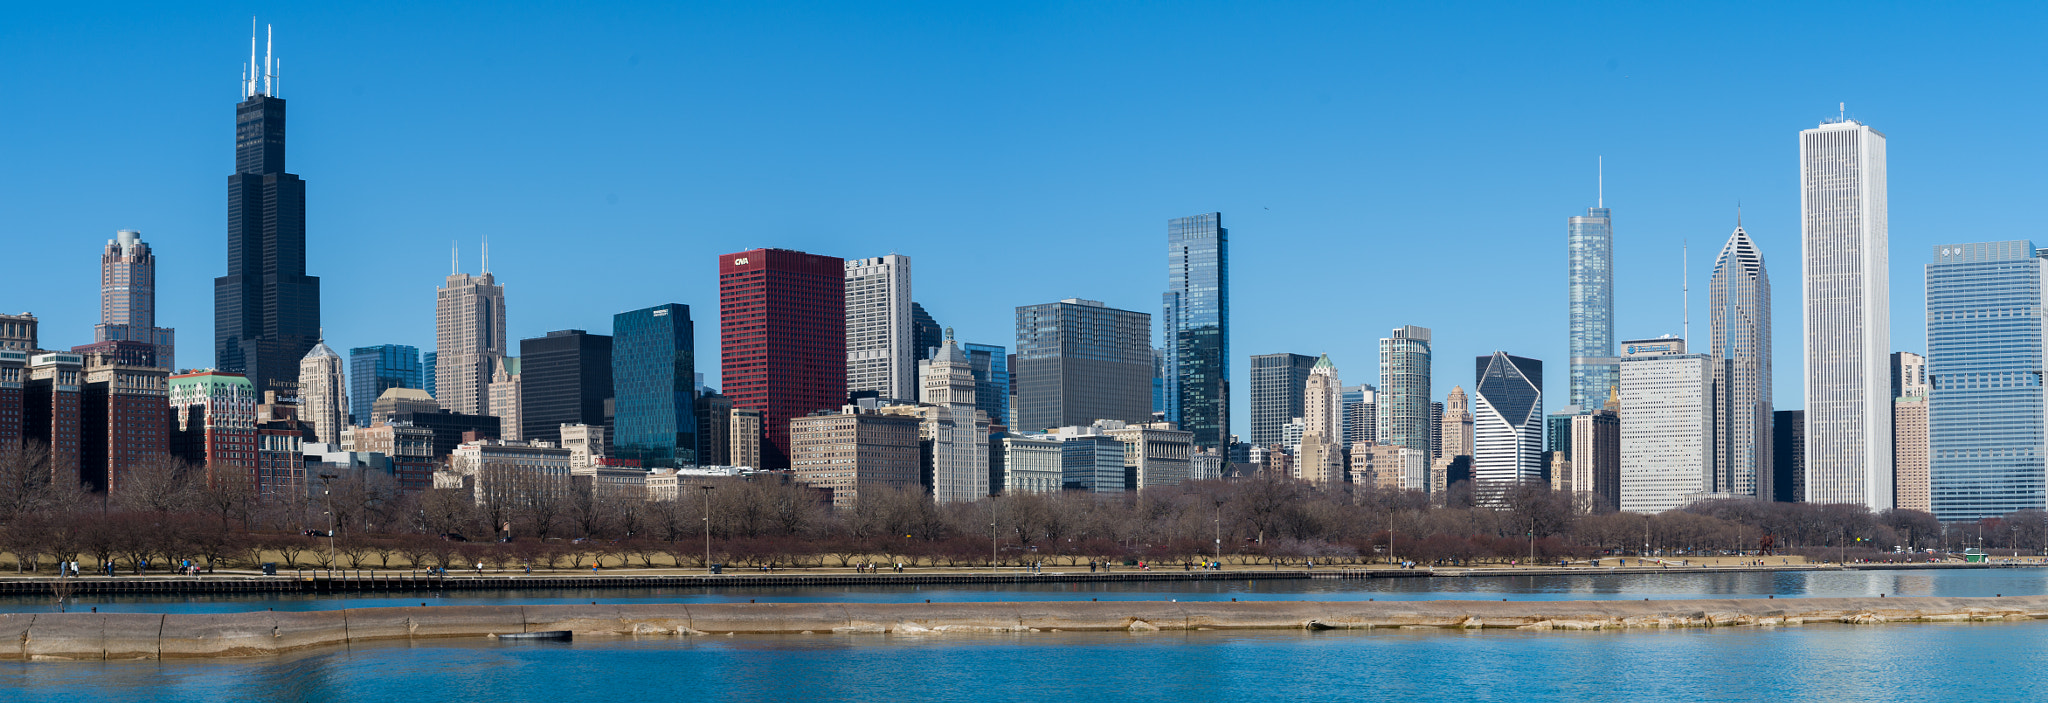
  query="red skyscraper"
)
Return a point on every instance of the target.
[{"x": 782, "y": 338}]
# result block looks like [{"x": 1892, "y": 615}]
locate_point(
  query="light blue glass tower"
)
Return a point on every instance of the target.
[
  {"x": 654, "y": 386},
  {"x": 1589, "y": 242},
  {"x": 1197, "y": 330},
  {"x": 1985, "y": 421},
  {"x": 427, "y": 371},
  {"x": 991, "y": 366},
  {"x": 373, "y": 370}
]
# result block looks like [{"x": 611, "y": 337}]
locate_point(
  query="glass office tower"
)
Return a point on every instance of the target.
[
  {"x": 373, "y": 370},
  {"x": 1079, "y": 361},
  {"x": 1590, "y": 288},
  {"x": 991, "y": 366},
  {"x": 1984, "y": 350},
  {"x": 654, "y": 386},
  {"x": 1197, "y": 329}
]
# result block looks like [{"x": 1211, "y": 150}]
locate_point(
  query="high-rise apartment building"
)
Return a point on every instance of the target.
[
  {"x": 1404, "y": 416},
  {"x": 1911, "y": 485},
  {"x": 121, "y": 420},
  {"x": 1278, "y": 381},
  {"x": 1507, "y": 422},
  {"x": 1079, "y": 361},
  {"x": 1985, "y": 347},
  {"x": 266, "y": 310},
  {"x": 1667, "y": 425},
  {"x": 1321, "y": 459},
  {"x": 654, "y": 386},
  {"x": 373, "y": 370},
  {"x": 50, "y": 409},
  {"x": 1197, "y": 327},
  {"x": 881, "y": 344},
  {"x": 1595, "y": 456},
  {"x": 746, "y": 437},
  {"x": 1739, "y": 303},
  {"x": 128, "y": 300},
  {"x": 1589, "y": 286},
  {"x": 1847, "y": 314},
  {"x": 991, "y": 366},
  {"x": 1361, "y": 413},
  {"x": 469, "y": 333},
  {"x": 323, "y": 393},
  {"x": 782, "y": 318},
  {"x": 566, "y": 378},
  {"x": 714, "y": 430}
]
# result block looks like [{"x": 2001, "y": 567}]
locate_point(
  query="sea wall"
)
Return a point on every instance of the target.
[{"x": 107, "y": 636}]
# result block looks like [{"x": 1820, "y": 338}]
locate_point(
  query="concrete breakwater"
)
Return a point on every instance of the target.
[{"x": 113, "y": 636}]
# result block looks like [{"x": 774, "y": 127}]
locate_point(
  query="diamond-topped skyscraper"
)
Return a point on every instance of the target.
[{"x": 266, "y": 310}]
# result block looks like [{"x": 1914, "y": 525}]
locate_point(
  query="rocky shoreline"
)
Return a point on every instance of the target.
[{"x": 119, "y": 636}]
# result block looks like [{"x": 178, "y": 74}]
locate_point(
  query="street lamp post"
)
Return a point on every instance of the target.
[
  {"x": 707, "y": 528},
  {"x": 330, "y": 541},
  {"x": 1219, "y": 532},
  {"x": 991, "y": 545},
  {"x": 1532, "y": 547}
]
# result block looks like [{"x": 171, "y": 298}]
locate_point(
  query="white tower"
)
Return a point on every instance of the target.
[{"x": 1847, "y": 315}]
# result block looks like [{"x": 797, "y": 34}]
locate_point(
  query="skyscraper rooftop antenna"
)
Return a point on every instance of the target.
[
  {"x": 1842, "y": 111},
  {"x": 1685, "y": 287},
  {"x": 1600, "y": 198},
  {"x": 454, "y": 257},
  {"x": 487, "y": 253},
  {"x": 249, "y": 69},
  {"x": 269, "y": 36}
]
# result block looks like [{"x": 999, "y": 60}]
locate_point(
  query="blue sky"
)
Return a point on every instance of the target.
[{"x": 1377, "y": 164}]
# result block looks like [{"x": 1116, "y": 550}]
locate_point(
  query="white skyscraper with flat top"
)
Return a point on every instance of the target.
[
  {"x": 1847, "y": 315},
  {"x": 881, "y": 352}
]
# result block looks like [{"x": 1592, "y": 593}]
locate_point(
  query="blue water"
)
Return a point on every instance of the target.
[
  {"x": 1789, "y": 584},
  {"x": 1974, "y": 662}
]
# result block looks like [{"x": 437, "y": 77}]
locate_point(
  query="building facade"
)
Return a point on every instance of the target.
[
  {"x": 469, "y": 336},
  {"x": 266, "y": 310},
  {"x": 1197, "y": 327},
  {"x": 1667, "y": 425},
  {"x": 782, "y": 339},
  {"x": 566, "y": 377},
  {"x": 1031, "y": 464},
  {"x": 1985, "y": 347},
  {"x": 1079, "y": 361},
  {"x": 121, "y": 420},
  {"x": 1589, "y": 245},
  {"x": 1457, "y": 424},
  {"x": 853, "y": 450},
  {"x": 956, "y": 429},
  {"x": 51, "y": 398},
  {"x": 1404, "y": 416},
  {"x": 213, "y": 423},
  {"x": 1847, "y": 314},
  {"x": 1595, "y": 457},
  {"x": 654, "y": 387},
  {"x": 373, "y": 370},
  {"x": 1507, "y": 422},
  {"x": 1788, "y": 446},
  {"x": 323, "y": 393},
  {"x": 746, "y": 438},
  {"x": 881, "y": 347},
  {"x": 128, "y": 300},
  {"x": 1321, "y": 458},
  {"x": 506, "y": 398},
  {"x": 1739, "y": 303},
  {"x": 1278, "y": 383},
  {"x": 991, "y": 366},
  {"x": 1361, "y": 413}
]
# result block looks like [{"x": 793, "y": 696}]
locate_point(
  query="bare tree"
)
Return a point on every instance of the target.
[{"x": 160, "y": 484}]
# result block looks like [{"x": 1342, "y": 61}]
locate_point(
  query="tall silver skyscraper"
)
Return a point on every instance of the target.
[
  {"x": 1847, "y": 315},
  {"x": 1197, "y": 329},
  {"x": 1404, "y": 414},
  {"x": 469, "y": 329},
  {"x": 881, "y": 350},
  {"x": 1589, "y": 240},
  {"x": 1740, "y": 301}
]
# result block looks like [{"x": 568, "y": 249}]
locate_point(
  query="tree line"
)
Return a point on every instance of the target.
[{"x": 168, "y": 511}]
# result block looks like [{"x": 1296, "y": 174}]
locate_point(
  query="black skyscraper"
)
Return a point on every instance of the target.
[
  {"x": 266, "y": 311},
  {"x": 566, "y": 377}
]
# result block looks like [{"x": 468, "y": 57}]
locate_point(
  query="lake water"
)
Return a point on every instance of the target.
[
  {"x": 1833, "y": 663},
  {"x": 1785, "y": 584}
]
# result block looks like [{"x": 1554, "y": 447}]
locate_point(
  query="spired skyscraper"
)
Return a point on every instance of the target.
[
  {"x": 1589, "y": 285},
  {"x": 1197, "y": 329},
  {"x": 266, "y": 311},
  {"x": 469, "y": 331},
  {"x": 1740, "y": 302},
  {"x": 1847, "y": 315}
]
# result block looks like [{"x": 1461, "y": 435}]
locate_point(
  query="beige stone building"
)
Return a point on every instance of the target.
[
  {"x": 323, "y": 393},
  {"x": 1321, "y": 458},
  {"x": 852, "y": 450},
  {"x": 1457, "y": 423},
  {"x": 585, "y": 444},
  {"x": 505, "y": 403},
  {"x": 399, "y": 401},
  {"x": 1031, "y": 464},
  {"x": 498, "y": 472},
  {"x": 745, "y": 446},
  {"x": 1390, "y": 467}
]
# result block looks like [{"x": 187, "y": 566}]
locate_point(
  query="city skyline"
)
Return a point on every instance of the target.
[{"x": 352, "y": 218}]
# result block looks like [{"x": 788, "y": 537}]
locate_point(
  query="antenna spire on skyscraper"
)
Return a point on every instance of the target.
[
  {"x": 487, "y": 253},
  {"x": 454, "y": 257},
  {"x": 1600, "y": 199}
]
